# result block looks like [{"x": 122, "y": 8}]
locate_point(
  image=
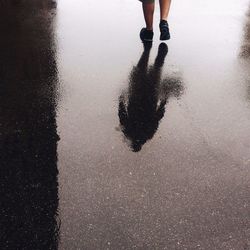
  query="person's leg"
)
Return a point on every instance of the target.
[
  {"x": 165, "y": 7},
  {"x": 147, "y": 33},
  {"x": 148, "y": 11}
]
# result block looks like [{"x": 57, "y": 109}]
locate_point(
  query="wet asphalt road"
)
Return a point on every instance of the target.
[{"x": 109, "y": 144}]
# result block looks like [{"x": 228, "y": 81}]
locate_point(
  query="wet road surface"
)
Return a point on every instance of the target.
[
  {"x": 28, "y": 131},
  {"x": 109, "y": 144}
]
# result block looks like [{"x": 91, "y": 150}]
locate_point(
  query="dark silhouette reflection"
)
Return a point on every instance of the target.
[
  {"x": 28, "y": 136},
  {"x": 143, "y": 107}
]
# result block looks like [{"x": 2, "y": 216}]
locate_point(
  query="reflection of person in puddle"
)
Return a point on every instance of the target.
[{"x": 142, "y": 108}]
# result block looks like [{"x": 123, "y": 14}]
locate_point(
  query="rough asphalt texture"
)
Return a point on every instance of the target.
[{"x": 109, "y": 144}]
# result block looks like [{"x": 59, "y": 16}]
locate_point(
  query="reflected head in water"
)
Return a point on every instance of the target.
[{"x": 142, "y": 107}]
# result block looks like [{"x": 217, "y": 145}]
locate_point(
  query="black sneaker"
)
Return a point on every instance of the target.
[
  {"x": 146, "y": 35},
  {"x": 164, "y": 29}
]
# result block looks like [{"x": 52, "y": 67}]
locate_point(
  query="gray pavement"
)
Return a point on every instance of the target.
[
  {"x": 188, "y": 187},
  {"x": 154, "y": 149}
]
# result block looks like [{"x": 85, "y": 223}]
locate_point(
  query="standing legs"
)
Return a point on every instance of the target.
[
  {"x": 148, "y": 7},
  {"x": 148, "y": 11}
]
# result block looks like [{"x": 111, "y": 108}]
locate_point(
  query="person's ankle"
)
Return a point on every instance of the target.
[{"x": 164, "y": 21}]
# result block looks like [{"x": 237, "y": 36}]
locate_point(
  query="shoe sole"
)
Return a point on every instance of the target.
[
  {"x": 164, "y": 37},
  {"x": 147, "y": 40}
]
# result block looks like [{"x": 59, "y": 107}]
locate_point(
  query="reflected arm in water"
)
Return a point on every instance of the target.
[
  {"x": 142, "y": 107},
  {"x": 245, "y": 48},
  {"x": 245, "y": 51}
]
